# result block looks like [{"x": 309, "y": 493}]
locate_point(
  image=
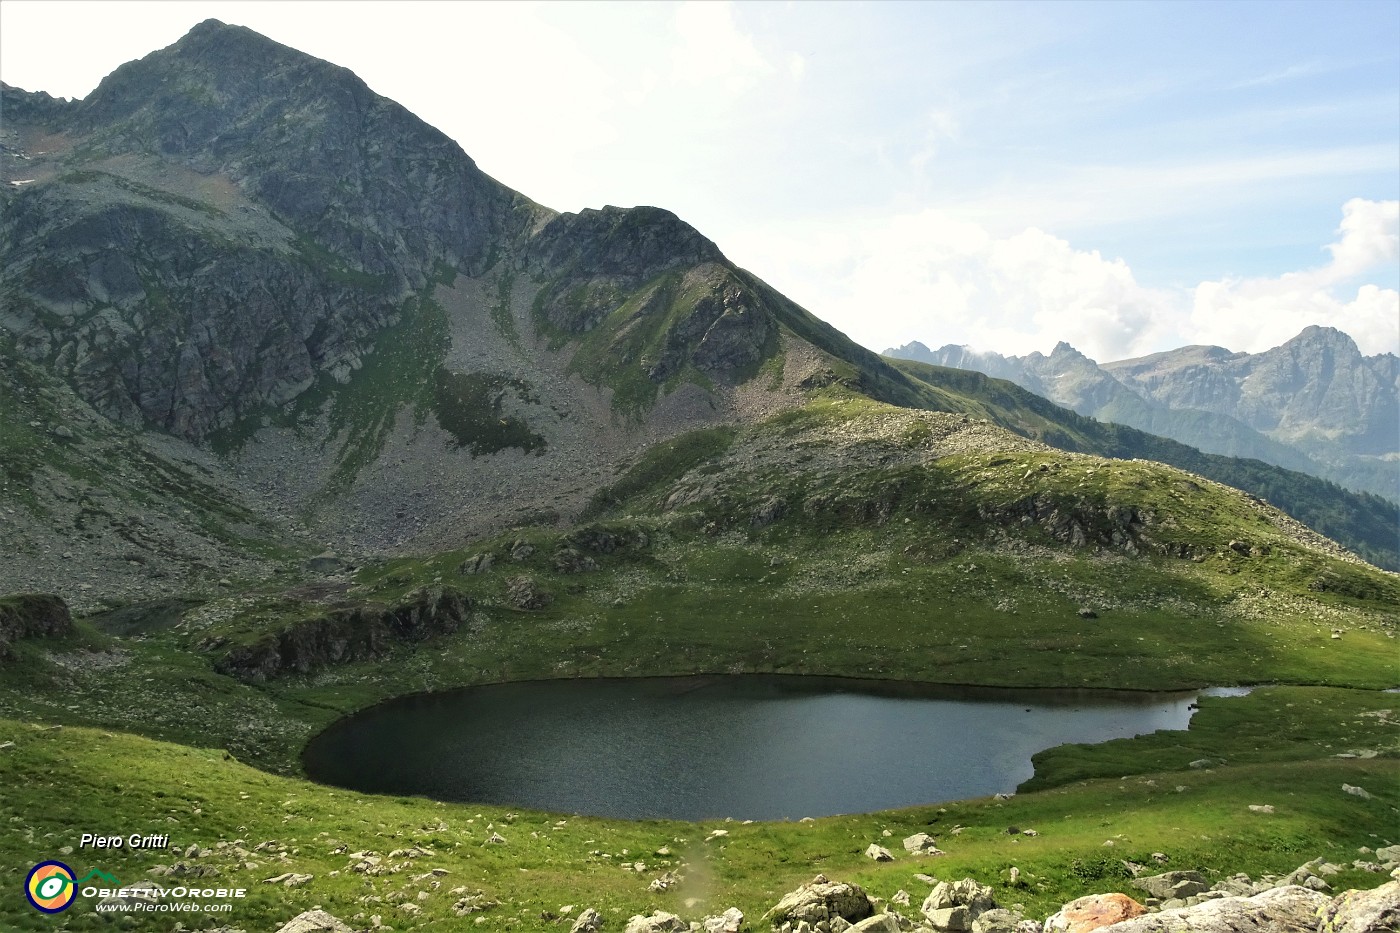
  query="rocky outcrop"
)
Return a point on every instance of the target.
[
  {"x": 31, "y": 615},
  {"x": 822, "y": 900},
  {"x": 1363, "y": 911},
  {"x": 953, "y": 906},
  {"x": 1289, "y": 909},
  {"x": 524, "y": 592},
  {"x": 1178, "y": 884},
  {"x": 1083, "y": 523},
  {"x": 344, "y": 635},
  {"x": 658, "y": 922},
  {"x": 966, "y": 906}
]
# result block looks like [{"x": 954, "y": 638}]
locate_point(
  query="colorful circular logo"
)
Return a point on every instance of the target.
[{"x": 50, "y": 887}]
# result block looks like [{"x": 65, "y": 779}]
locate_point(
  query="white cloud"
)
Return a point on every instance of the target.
[
  {"x": 939, "y": 279},
  {"x": 1370, "y": 238},
  {"x": 1253, "y": 314}
]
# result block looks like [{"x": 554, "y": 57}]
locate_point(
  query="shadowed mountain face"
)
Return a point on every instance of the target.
[
  {"x": 250, "y": 308},
  {"x": 1314, "y": 404},
  {"x": 244, "y": 248}
]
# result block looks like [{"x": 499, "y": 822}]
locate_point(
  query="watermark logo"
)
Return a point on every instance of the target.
[{"x": 50, "y": 887}]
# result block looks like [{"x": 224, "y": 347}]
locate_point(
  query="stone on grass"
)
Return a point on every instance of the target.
[
  {"x": 658, "y": 922},
  {"x": 1090, "y": 913},
  {"x": 822, "y": 899},
  {"x": 728, "y": 922},
  {"x": 590, "y": 921},
  {"x": 877, "y": 923},
  {"x": 878, "y": 853},
  {"x": 953, "y": 906},
  {"x": 921, "y": 844},
  {"x": 1172, "y": 884},
  {"x": 315, "y": 921}
]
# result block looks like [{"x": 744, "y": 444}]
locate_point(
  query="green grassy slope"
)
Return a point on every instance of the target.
[{"x": 252, "y": 826}]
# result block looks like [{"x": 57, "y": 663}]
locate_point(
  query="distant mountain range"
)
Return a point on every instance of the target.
[{"x": 1314, "y": 404}]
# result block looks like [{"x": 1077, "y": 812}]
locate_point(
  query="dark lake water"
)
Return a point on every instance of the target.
[{"x": 748, "y": 747}]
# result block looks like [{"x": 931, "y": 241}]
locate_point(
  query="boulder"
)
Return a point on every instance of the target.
[
  {"x": 878, "y": 853},
  {"x": 1093, "y": 912},
  {"x": 1000, "y": 920},
  {"x": 768, "y": 512},
  {"x": 728, "y": 922},
  {"x": 568, "y": 560},
  {"x": 1375, "y": 911},
  {"x": 590, "y": 921},
  {"x": 1178, "y": 884},
  {"x": 524, "y": 593},
  {"x": 821, "y": 899},
  {"x": 315, "y": 921},
  {"x": 877, "y": 923},
  {"x": 477, "y": 563},
  {"x": 1307, "y": 876},
  {"x": 1387, "y": 854},
  {"x": 658, "y": 922},
  {"x": 921, "y": 844},
  {"x": 32, "y": 615},
  {"x": 953, "y": 906},
  {"x": 325, "y": 563},
  {"x": 1291, "y": 909}
]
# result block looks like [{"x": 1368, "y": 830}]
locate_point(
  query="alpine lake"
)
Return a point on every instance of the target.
[{"x": 758, "y": 747}]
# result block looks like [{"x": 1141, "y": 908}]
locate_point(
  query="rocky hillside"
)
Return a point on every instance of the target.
[{"x": 1314, "y": 404}]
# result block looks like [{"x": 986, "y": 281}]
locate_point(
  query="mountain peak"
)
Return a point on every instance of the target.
[
  {"x": 1064, "y": 351},
  {"x": 1322, "y": 335}
]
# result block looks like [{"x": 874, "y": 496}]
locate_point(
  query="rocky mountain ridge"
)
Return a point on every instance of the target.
[
  {"x": 1314, "y": 404},
  {"x": 236, "y": 264}
]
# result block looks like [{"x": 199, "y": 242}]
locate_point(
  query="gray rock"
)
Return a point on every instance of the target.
[
  {"x": 658, "y": 922},
  {"x": 878, "y": 923},
  {"x": 878, "y": 853},
  {"x": 315, "y": 921},
  {"x": 768, "y": 512},
  {"x": 921, "y": 844},
  {"x": 325, "y": 563},
  {"x": 1388, "y": 854},
  {"x": 821, "y": 899},
  {"x": 590, "y": 921},
  {"x": 1278, "y": 910},
  {"x": 477, "y": 563},
  {"x": 1376, "y": 911},
  {"x": 524, "y": 593},
  {"x": 568, "y": 560},
  {"x": 728, "y": 922},
  {"x": 1172, "y": 884},
  {"x": 953, "y": 906},
  {"x": 998, "y": 920}
]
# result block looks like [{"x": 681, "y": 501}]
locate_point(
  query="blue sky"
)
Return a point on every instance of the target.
[{"x": 1124, "y": 176}]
